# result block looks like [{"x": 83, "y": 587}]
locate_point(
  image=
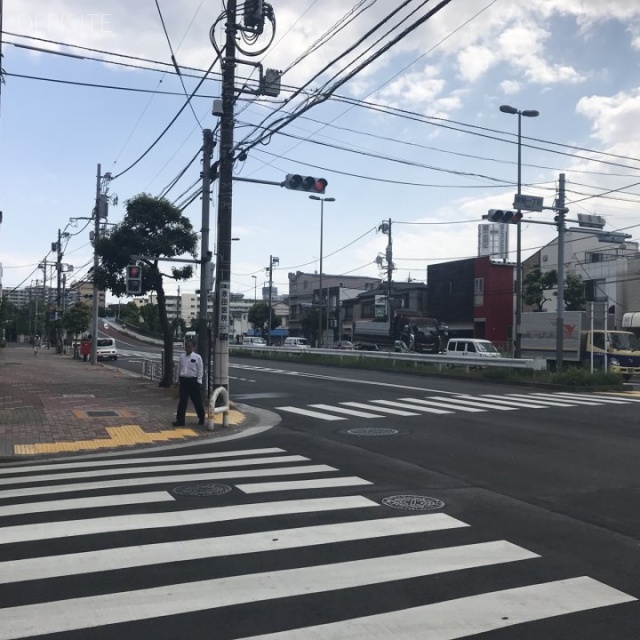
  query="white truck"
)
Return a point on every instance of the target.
[{"x": 581, "y": 345}]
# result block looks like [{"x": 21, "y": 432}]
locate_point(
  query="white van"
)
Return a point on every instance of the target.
[
  {"x": 253, "y": 341},
  {"x": 474, "y": 347},
  {"x": 106, "y": 349},
  {"x": 297, "y": 343}
]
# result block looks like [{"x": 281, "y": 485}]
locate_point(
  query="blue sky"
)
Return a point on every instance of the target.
[{"x": 574, "y": 61}]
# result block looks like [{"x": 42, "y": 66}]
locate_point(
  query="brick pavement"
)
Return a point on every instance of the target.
[{"x": 52, "y": 404}]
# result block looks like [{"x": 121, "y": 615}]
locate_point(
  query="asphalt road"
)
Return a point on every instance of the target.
[{"x": 382, "y": 505}]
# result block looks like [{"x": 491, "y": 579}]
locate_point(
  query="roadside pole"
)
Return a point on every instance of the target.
[
  {"x": 560, "y": 308},
  {"x": 96, "y": 235},
  {"x": 225, "y": 209}
]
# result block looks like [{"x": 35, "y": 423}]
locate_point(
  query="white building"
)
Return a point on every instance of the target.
[{"x": 493, "y": 241}]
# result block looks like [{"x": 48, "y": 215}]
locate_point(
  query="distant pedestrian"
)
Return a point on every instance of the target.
[
  {"x": 36, "y": 346},
  {"x": 190, "y": 372}
]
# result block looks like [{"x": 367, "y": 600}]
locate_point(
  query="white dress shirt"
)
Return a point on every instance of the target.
[{"x": 191, "y": 366}]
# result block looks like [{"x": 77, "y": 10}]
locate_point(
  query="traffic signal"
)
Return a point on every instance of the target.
[
  {"x": 305, "y": 183},
  {"x": 502, "y": 215},
  {"x": 134, "y": 279}
]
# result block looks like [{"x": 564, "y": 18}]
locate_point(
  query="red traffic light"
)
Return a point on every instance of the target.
[
  {"x": 504, "y": 216},
  {"x": 133, "y": 271},
  {"x": 320, "y": 185},
  {"x": 305, "y": 183}
]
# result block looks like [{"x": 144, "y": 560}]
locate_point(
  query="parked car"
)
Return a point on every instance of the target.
[
  {"x": 365, "y": 346},
  {"x": 342, "y": 344}
]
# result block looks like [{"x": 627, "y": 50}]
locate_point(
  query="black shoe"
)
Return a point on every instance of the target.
[
  {"x": 201, "y": 422},
  {"x": 178, "y": 424}
]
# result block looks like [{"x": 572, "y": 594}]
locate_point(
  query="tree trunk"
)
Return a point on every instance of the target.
[{"x": 167, "y": 336}]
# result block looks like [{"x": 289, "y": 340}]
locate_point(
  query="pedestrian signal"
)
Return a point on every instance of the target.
[
  {"x": 134, "y": 279},
  {"x": 305, "y": 183},
  {"x": 504, "y": 216}
]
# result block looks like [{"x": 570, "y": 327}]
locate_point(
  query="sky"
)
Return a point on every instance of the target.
[{"x": 415, "y": 136}]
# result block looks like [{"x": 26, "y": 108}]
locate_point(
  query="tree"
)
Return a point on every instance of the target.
[
  {"x": 535, "y": 285},
  {"x": 77, "y": 319},
  {"x": 151, "y": 318},
  {"x": 574, "y": 297},
  {"x": 130, "y": 314},
  {"x": 151, "y": 227},
  {"x": 259, "y": 316}
]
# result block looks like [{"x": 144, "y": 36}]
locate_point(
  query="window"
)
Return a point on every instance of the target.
[
  {"x": 478, "y": 292},
  {"x": 304, "y": 284},
  {"x": 368, "y": 310}
]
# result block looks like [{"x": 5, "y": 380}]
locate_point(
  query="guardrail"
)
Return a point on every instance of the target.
[{"x": 441, "y": 361}]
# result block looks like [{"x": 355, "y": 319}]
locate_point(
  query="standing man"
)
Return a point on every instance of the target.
[{"x": 190, "y": 372}]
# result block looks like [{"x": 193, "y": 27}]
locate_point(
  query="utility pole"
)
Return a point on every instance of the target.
[
  {"x": 560, "y": 308},
  {"x": 205, "y": 254},
  {"x": 58, "y": 293},
  {"x": 225, "y": 201},
  {"x": 270, "y": 299},
  {"x": 96, "y": 236},
  {"x": 389, "y": 255}
]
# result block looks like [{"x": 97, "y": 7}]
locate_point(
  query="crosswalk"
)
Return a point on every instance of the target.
[
  {"x": 455, "y": 403},
  {"x": 93, "y": 546}
]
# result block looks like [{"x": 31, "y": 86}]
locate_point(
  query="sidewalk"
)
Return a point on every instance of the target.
[{"x": 53, "y": 404}]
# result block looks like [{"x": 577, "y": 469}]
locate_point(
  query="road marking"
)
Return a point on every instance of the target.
[
  {"x": 529, "y": 404},
  {"x": 549, "y": 402},
  {"x": 183, "y": 550},
  {"x": 468, "y": 616},
  {"x": 444, "y": 405},
  {"x": 139, "y": 522},
  {"x": 147, "y": 480},
  {"x": 349, "y": 412},
  {"x": 404, "y": 405},
  {"x": 310, "y": 414},
  {"x": 593, "y": 397},
  {"x": 473, "y": 402},
  {"x": 296, "y": 485},
  {"x": 86, "y": 503},
  {"x": 572, "y": 400},
  {"x": 79, "y": 475},
  {"x": 141, "y": 460},
  {"x": 393, "y": 412},
  {"x": 156, "y": 602}
]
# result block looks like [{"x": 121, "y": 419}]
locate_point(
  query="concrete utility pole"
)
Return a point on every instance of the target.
[
  {"x": 225, "y": 198},
  {"x": 389, "y": 256},
  {"x": 560, "y": 309},
  {"x": 96, "y": 236},
  {"x": 59, "y": 292},
  {"x": 205, "y": 254}
]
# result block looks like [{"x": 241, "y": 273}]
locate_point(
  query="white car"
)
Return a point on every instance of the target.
[{"x": 106, "y": 349}]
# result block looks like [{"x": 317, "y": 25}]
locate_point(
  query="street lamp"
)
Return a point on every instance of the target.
[
  {"x": 322, "y": 201},
  {"x": 255, "y": 289},
  {"x": 527, "y": 113}
]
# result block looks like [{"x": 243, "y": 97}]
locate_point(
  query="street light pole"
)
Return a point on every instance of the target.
[
  {"x": 255, "y": 289},
  {"x": 517, "y": 343},
  {"x": 320, "y": 314}
]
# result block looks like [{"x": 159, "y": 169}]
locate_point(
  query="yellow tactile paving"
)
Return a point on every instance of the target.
[{"x": 122, "y": 436}]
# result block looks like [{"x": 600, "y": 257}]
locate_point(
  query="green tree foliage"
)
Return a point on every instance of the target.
[
  {"x": 151, "y": 227},
  {"x": 259, "y": 315},
  {"x": 130, "y": 314},
  {"x": 574, "y": 298},
  {"x": 151, "y": 318},
  {"x": 77, "y": 319},
  {"x": 535, "y": 285}
]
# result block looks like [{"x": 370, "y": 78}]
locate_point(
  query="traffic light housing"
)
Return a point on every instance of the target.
[
  {"x": 134, "y": 279},
  {"x": 504, "y": 216},
  {"x": 309, "y": 184}
]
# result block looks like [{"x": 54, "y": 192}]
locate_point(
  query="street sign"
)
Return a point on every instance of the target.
[
  {"x": 528, "y": 203},
  {"x": 591, "y": 221},
  {"x": 618, "y": 238}
]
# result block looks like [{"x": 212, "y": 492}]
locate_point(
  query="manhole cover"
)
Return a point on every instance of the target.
[
  {"x": 102, "y": 414},
  {"x": 202, "y": 489},
  {"x": 371, "y": 431},
  {"x": 413, "y": 503}
]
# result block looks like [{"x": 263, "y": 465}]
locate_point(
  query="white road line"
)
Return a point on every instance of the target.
[
  {"x": 546, "y": 401},
  {"x": 616, "y": 394},
  {"x": 141, "y": 460},
  {"x": 101, "y": 473},
  {"x": 310, "y": 414},
  {"x": 443, "y": 405},
  {"x": 473, "y": 401},
  {"x": 584, "y": 401},
  {"x": 415, "y": 407},
  {"x": 393, "y": 412},
  {"x": 349, "y": 412},
  {"x": 468, "y": 616},
  {"x": 529, "y": 404},
  {"x": 171, "y": 479},
  {"x": 86, "y": 503},
  {"x": 183, "y": 550},
  {"x": 140, "y": 522},
  {"x": 579, "y": 396},
  {"x": 142, "y": 604},
  {"x": 292, "y": 485}
]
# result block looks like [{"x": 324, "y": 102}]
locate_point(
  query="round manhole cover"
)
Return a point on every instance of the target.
[
  {"x": 371, "y": 431},
  {"x": 201, "y": 489},
  {"x": 413, "y": 503}
]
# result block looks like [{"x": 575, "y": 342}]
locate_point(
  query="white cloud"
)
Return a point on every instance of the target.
[
  {"x": 615, "y": 119},
  {"x": 475, "y": 61},
  {"x": 510, "y": 87}
]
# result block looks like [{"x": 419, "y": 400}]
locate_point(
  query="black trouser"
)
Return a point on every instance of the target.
[{"x": 189, "y": 388}]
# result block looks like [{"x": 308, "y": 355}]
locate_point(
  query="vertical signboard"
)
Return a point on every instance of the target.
[{"x": 223, "y": 318}]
